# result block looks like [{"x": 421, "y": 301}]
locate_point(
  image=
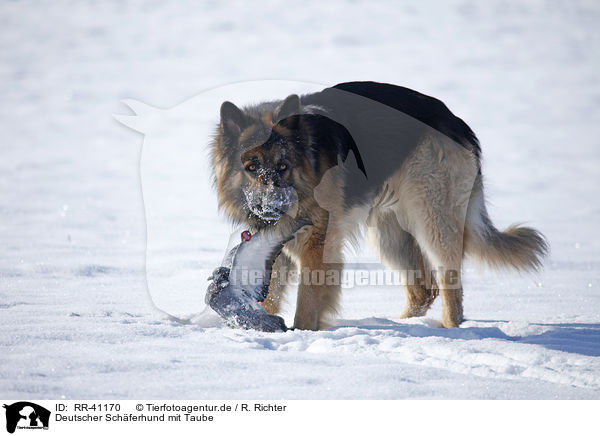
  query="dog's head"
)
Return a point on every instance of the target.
[
  {"x": 268, "y": 183},
  {"x": 260, "y": 161}
]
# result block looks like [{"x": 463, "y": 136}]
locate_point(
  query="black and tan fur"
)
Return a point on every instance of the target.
[{"x": 373, "y": 156}]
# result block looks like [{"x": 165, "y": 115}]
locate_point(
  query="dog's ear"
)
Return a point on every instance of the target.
[
  {"x": 291, "y": 106},
  {"x": 233, "y": 120}
]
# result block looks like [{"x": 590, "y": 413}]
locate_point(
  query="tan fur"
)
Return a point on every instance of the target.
[
  {"x": 441, "y": 206},
  {"x": 422, "y": 229},
  {"x": 282, "y": 269}
]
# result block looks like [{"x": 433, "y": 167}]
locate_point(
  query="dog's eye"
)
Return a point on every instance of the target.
[
  {"x": 251, "y": 168},
  {"x": 282, "y": 167}
]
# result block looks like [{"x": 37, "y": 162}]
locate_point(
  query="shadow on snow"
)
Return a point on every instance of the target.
[{"x": 578, "y": 338}]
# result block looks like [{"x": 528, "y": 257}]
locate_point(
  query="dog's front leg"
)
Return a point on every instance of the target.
[{"x": 319, "y": 285}]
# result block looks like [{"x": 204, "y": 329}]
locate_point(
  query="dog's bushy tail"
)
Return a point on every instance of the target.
[
  {"x": 522, "y": 248},
  {"x": 518, "y": 247}
]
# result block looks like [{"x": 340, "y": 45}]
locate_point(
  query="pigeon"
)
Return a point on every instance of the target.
[{"x": 243, "y": 280}]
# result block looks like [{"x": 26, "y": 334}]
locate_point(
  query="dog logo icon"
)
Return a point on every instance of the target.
[{"x": 26, "y": 415}]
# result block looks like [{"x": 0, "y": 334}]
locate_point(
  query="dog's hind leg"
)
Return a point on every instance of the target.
[
  {"x": 420, "y": 291},
  {"x": 399, "y": 251},
  {"x": 447, "y": 259},
  {"x": 439, "y": 236}
]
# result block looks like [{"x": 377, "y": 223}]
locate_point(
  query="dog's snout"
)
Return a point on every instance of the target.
[{"x": 269, "y": 203}]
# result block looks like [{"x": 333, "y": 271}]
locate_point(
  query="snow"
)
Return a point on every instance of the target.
[{"x": 78, "y": 296}]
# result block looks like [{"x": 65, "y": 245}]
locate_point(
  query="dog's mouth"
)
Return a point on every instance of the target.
[
  {"x": 267, "y": 214},
  {"x": 270, "y": 205}
]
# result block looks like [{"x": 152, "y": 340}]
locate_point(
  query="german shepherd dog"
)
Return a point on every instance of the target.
[{"x": 364, "y": 156}]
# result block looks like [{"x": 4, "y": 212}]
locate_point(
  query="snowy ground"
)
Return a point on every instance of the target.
[{"x": 76, "y": 316}]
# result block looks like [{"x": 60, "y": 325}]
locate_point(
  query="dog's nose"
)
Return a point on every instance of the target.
[{"x": 267, "y": 176}]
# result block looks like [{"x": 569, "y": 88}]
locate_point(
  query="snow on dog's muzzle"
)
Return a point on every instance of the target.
[{"x": 271, "y": 202}]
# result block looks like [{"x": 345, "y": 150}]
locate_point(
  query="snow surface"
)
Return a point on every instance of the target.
[{"x": 77, "y": 320}]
